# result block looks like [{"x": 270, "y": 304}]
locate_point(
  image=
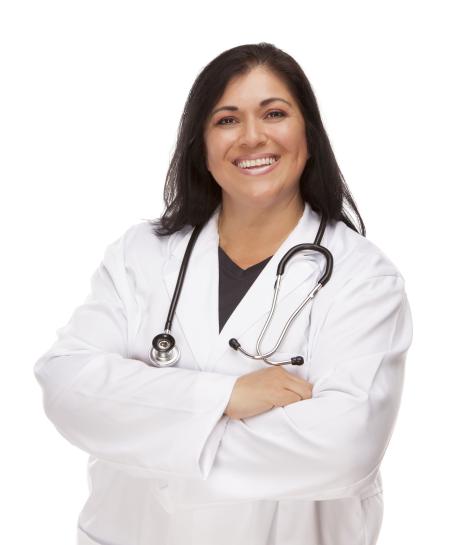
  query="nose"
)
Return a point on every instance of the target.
[{"x": 252, "y": 133}]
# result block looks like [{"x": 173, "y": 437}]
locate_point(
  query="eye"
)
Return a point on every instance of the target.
[
  {"x": 277, "y": 112},
  {"x": 224, "y": 119}
]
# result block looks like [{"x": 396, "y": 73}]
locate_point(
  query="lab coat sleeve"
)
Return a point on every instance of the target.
[
  {"x": 151, "y": 421},
  {"x": 331, "y": 445}
]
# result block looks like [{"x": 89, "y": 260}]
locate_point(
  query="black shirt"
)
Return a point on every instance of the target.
[{"x": 234, "y": 282}]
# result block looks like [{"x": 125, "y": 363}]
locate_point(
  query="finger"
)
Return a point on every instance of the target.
[
  {"x": 286, "y": 398},
  {"x": 302, "y": 390},
  {"x": 293, "y": 379}
]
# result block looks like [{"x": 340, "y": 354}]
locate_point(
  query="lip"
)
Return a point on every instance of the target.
[
  {"x": 258, "y": 171},
  {"x": 255, "y": 156}
]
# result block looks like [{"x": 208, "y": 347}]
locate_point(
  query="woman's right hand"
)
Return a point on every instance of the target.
[{"x": 260, "y": 391}]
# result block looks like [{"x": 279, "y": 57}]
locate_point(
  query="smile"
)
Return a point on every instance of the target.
[{"x": 257, "y": 169}]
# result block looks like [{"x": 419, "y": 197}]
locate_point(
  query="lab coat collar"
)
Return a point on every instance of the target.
[{"x": 198, "y": 308}]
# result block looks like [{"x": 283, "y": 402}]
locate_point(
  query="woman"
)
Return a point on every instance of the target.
[{"x": 221, "y": 448}]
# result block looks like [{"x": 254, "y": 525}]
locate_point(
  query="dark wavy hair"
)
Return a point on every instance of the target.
[{"x": 191, "y": 193}]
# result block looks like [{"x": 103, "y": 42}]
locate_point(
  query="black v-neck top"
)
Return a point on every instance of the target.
[{"x": 234, "y": 282}]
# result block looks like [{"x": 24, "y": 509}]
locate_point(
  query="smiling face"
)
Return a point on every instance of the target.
[{"x": 258, "y": 117}]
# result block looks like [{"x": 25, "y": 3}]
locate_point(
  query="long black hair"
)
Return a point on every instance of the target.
[{"x": 191, "y": 193}]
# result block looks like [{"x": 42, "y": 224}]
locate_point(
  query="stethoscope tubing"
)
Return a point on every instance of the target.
[
  {"x": 181, "y": 276},
  {"x": 165, "y": 353}
]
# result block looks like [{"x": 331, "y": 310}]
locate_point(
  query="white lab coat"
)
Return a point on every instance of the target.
[{"x": 166, "y": 466}]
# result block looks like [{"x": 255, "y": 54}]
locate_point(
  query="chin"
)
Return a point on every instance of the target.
[{"x": 264, "y": 200}]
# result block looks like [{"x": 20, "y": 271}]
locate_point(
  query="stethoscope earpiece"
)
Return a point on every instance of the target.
[{"x": 297, "y": 360}]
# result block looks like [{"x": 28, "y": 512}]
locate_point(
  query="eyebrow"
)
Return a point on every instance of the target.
[{"x": 262, "y": 103}]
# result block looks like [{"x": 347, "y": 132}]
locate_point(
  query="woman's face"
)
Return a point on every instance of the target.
[{"x": 258, "y": 117}]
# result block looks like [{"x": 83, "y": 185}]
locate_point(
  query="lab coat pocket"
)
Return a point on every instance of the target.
[
  {"x": 372, "y": 511},
  {"x": 84, "y": 539},
  {"x": 162, "y": 494}
]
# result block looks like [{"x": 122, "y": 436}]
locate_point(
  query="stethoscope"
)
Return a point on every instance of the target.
[{"x": 165, "y": 353}]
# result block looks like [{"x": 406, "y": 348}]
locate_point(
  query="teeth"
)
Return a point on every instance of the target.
[{"x": 257, "y": 162}]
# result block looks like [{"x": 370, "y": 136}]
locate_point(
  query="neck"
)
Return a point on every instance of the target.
[{"x": 248, "y": 228}]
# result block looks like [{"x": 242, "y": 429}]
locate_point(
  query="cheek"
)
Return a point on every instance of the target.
[
  {"x": 297, "y": 144},
  {"x": 216, "y": 153},
  {"x": 291, "y": 137},
  {"x": 303, "y": 150},
  {"x": 212, "y": 160},
  {"x": 211, "y": 156}
]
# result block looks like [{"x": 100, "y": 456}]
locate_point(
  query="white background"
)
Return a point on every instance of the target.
[{"x": 91, "y": 96}]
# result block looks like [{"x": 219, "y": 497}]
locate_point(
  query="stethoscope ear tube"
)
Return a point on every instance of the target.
[
  {"x": 296, "y": 360},
  {"x": 315, "y": 247}
]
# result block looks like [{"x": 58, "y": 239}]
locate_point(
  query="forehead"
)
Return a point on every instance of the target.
[{"x": 253, "y": 87}]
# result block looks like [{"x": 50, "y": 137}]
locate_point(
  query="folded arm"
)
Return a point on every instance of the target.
[
  {"x": 149, "y": 420},
  {"x": 329, "y": 446}
]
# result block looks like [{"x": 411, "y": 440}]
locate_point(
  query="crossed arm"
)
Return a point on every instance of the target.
[{"x": 170, "y": 422}]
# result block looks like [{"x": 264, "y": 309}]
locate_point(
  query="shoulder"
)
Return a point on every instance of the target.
[
  {"x": 355, "y": 256},
  {"x": 362, "y": 271},
  {"x": 365, "y": 283},
  {"x": 139, "y": 245}
]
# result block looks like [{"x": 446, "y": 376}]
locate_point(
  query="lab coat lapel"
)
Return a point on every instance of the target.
[
  {"x": 197, "y": 308},
  {"x": 299, "y": 277}
]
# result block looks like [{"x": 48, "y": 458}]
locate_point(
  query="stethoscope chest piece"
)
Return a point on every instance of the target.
[{"x": 164, "y": 353}]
